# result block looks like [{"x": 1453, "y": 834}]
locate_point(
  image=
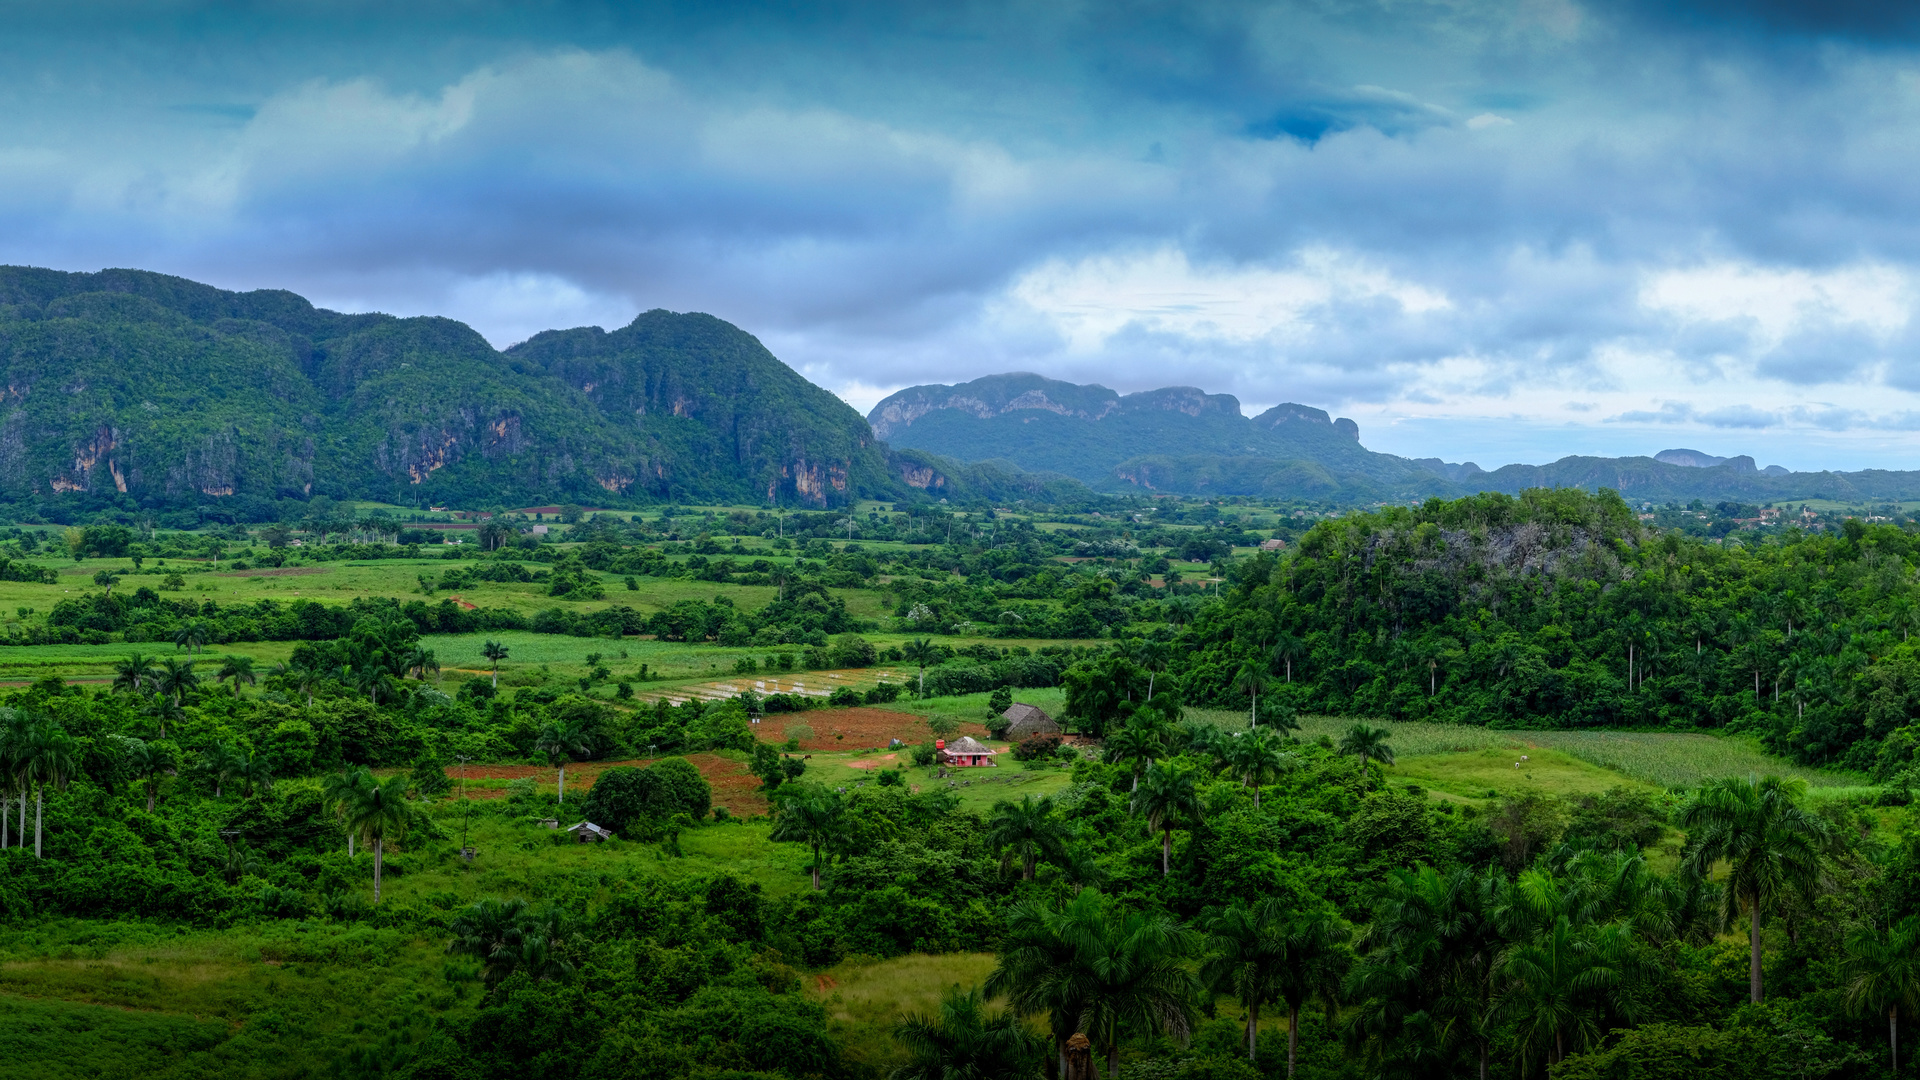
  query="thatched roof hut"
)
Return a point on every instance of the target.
[
  {"x": 1024, "y": 720},
  {"x": 966, "y": 751}
]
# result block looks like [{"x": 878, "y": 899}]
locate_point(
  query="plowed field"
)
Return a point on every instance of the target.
[
  {"x": 855, "y": 729},
  {"x": 733, "y": 787}
]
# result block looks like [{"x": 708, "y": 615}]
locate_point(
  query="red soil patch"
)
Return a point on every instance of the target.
[
  {"x": 462, "y": 603},
  {"x": 862, "y": 728},
  {"x": 733, "y": 786},
  {"x": 872, "y": 763},
  {"x": 272, "y": 571}
]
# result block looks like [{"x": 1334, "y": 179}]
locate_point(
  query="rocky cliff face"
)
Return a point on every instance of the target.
[{"x": 136, "y": 387}]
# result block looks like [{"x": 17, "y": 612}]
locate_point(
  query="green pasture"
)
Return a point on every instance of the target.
[
  {"x": 1464, "y": 755},
  {"x": 91, "y": 1000}
]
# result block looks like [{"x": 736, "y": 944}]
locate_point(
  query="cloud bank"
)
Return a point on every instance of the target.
[{"x": 1503, "y": 231}]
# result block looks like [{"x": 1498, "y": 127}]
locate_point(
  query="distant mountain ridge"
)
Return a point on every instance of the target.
[
  {"x": 1183, "y": 440},
  {"x": 1174, "y": 439},
  {"x": 133, "y": 389}
]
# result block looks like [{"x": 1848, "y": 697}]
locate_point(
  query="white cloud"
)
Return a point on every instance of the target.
[
  {"x": 1161, "y": 291},
  {"x": 1876, "y": 297}
]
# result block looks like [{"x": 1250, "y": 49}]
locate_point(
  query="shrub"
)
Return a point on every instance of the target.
[
  {"x": 883, "y": 694},
  {"x": 844, "y": 697},
  {"x": 1036, "y": 746},
  {"x": 798, "y": 733},
  {"x": 923, "y": 754}
]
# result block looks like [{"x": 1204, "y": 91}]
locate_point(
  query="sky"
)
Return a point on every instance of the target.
[{"x": 1502, "y": 231}]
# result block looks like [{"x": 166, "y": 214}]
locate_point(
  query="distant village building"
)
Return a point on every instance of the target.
[
  {"x": 588, "y": 833},
  {"x": 1272, "y": 545},
  {"x": 1024, "y": 720},
  {"x": 965, "y": 752}
]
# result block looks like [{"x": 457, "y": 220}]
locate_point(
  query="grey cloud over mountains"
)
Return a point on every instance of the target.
[{"x": 1423, "y": 211}]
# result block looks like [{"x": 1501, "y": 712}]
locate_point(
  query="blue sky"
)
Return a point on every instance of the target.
[{"x": 1488, "y": 231}]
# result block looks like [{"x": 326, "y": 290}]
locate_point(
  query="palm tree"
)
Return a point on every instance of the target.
[
  {"x": 1251, "y": 679},
  {"x": 1027, "y": 831},
  {"x": 1431, "y": 977},
  {"x": 163, "y": 708},
  {"x": 16, "y": 729},
  {"x": 221, "y": 762},
  {"x": 1040, "y": 965},
  {"x": 1774, "y": 850},
  {"x": 372, "y": 679},
  {"x": 1168, "y": 798},
  {"x": 1138, "y": 743},
  {"x": 376, "y": 811},
  {"x": 1554, "y": 980},
  {"x": 488, "y": 931},
  {"x": 812, "y": 817},
  {"x": 922, "y": 652},
  {"x": 175, "y": 679},
  {"x": 1154, "y": 657},
  {"x": 302, "y": 680},
  {"x": 192, "y": 636},
  {"x": 1370, "y": 744},
  {"x": 1313, "y": 963},
  {"x": 1136, "y": 977},
  {"x": 965, "y": 1041},
  {"x": 50, "y": 757},
  {"x": 494, "y": 652},
  {"x": 343, "y": 791},
  {"x": 560, "y": 745},
  {"x": 251, "y": 769},
  {"x": 240, "y": 670},
  {"x": 133, "y": 674},
  {"x": 420, "y": 661},
  {"x": 1244, "y": 947},
  {"x": 1883, "y": 975},
  {"x": 147, "y": 760},
  {"x": 1256, "y": 758}
]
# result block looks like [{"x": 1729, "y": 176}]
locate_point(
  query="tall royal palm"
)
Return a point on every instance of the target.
[
  {"x": 813, "y": 816},
  {"x": 1313, "y": 963},
  {"x": 1026, "y": 832},
  {"x": 1774, "y": 849},
  {"x": 561, "y": 745},
  {"x": 494, "y": 652},
  {"x": 239, "y": 669},
  {"x": 1883, "y": 976},
  {"x": 16, "y": 729},
  {"x": 146, "y": 761},
  {"x": 921, "y": 652},
  {"x": 1169, "y": 799},
  {"x": 175, "y": 679},
  {"x": 51, "y": 757},
  {"x": 1256, "y": 758},
  {"x": 220, "y": 762},
  {"x": 342, "y": 791},
  {"x": 1368, "y": 744},
  {"x": 1433, "y": 949},
  {"x": 1251, "y": 680},
  {"x": 132, "y": 674},
  {"x": 1244, "y": 946},
  {"x": 965, "y": 1041},
  {"x": 1138, "y": 744},
  {"x": 377, "y": 812},
  {"x": 1137, "y": 980}
]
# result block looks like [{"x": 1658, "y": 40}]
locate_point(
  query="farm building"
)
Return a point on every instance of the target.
[
  {"x": 964, "y": 752},
  {"x": 588, "y": 833},
  {"x": 1024, "y": 720}
]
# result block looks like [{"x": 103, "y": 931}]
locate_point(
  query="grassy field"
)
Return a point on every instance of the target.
[{"x": 1656, "y": 758}]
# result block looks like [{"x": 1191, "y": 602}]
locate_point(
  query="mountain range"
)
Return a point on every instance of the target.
[
  {"x": 1183, "y": 440},
  {"x": 128, "y": 389}
]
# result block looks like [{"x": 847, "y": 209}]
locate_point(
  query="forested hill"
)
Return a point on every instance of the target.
[
  {"x": 1175, "y": 439},
  {"x": 126, "y": 388},
  {"x": 1557, "y": 608}
]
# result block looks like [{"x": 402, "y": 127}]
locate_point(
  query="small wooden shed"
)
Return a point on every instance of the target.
[
  {"x": 588, "y": 833},
  {"x": 966, "y": 752},
  {"x": 1024, "y": 720}
]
